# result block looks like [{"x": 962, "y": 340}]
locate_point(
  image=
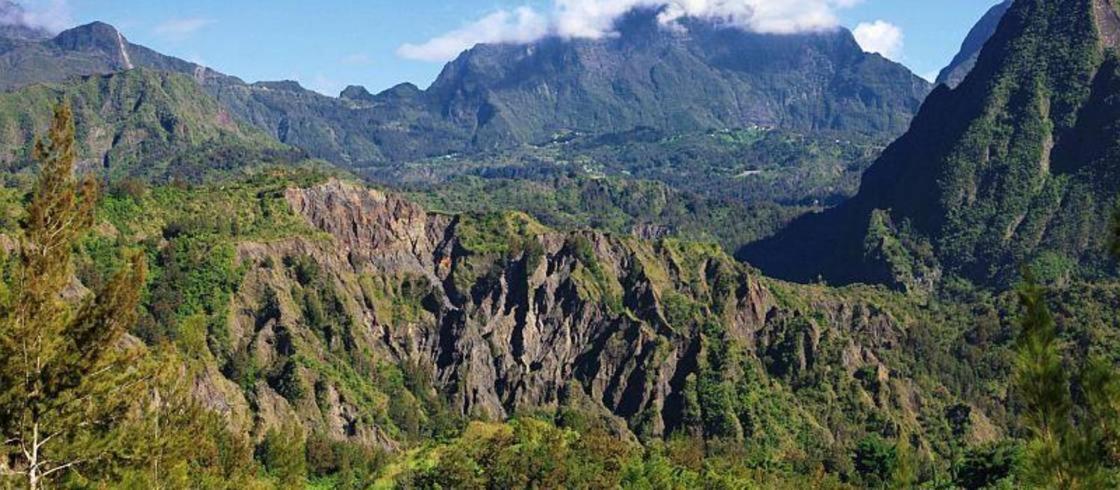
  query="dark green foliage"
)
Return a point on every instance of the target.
[
  {"x": 988, "y": 466},
  {"x": 283, "y": 454},
  {"x": 732, "y": 186},
  {"x": 875, "y": 460},
  {"x": 1072, "y": 441},
  {"x": 141, "y": 124},
  {"x": 1014, "y": 166},
  {"x": 342, "y": 465},
  {"x": 288, "y": 382},
  {"x": 616, "y": 205}
]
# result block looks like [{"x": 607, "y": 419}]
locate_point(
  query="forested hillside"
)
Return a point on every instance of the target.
[{"x": 518, "y": 278}]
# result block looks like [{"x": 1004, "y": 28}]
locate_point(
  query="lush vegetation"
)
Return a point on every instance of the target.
[
  {"x": 191, "y": 316},
  {"x": 617, "y": 205},
  {"x": 141, "y": 124},
  {"x": 1014, "y": 166}
]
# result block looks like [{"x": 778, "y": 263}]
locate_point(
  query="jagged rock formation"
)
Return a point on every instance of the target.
[
  {"x": 1017, "y": 165},
  {"x": 500, "y": 316},
  {"x": 965, "y": 60}
]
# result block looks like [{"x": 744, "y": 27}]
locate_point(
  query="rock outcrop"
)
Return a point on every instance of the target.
[{"x": 493, "y": 316}]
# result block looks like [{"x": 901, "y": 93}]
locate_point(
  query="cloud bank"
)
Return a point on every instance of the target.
[
  {"x": 880, "y": 37},
  {"x": 594, "y": 19},
  {"x": 49, "y": 15}
]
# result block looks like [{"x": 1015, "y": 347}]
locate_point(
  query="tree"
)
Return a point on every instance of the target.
[
  {"x": 1070, "y": 439},
  {"x": 66, "y": 376},
  {"x": 988, "y": 465},
  {"x": 171, "y": 441},
  {"x": 284, "y": 454},
  {"x": 875, "y": 460}
]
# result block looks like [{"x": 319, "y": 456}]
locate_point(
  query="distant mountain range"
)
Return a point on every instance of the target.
[
  {"x": 965, "y": 60},
  {"x": 141, "y": 124},
  {"x": 1015, "y": 166},
  {"x": 492, "y": 96}
]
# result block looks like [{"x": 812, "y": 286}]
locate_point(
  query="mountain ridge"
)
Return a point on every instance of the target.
[
  {"x": 720, "y": 78},
  {"x": 965, "y": 59},
  {"x": 1000, "y": 169}
]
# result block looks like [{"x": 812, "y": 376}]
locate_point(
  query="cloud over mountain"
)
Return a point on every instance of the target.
[
  {"x": 880, "y": 37},
  {"x": 48, "y": 15},
  {"x": 594, "y": 19}
]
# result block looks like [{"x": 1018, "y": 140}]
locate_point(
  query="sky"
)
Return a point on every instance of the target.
[{"x": 329, "y": 44}]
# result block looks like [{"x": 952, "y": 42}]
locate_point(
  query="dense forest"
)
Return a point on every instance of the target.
[{"x": 211, "y": 284}]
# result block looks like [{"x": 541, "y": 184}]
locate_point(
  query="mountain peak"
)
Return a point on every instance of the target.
[
  {"x": 965, "y": 60},
  {"x": 356, "y": 92},
  {"x": 694, "y": 75},
  {"x": 1011, "y": 167},
  {"x": 95, "y": 36}
]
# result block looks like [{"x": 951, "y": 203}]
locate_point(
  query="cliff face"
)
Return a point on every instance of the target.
[
  {"x": 492, "y": 316},
  {"x": 1015, "y": 166}
]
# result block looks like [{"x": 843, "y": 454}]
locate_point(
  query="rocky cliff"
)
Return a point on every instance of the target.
[
  {"x": 390, "y": 316},
  {"x": 1015, "y": 166}
]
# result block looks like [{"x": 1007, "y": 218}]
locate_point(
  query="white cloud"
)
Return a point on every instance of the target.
[
  {"x": 880, "y": 37},
  {"x": 181, "y": 28},
  {"x": 520, "y": 26},
  {"x": 51, "y": 15},
  {"x": 595, "y": 19}
]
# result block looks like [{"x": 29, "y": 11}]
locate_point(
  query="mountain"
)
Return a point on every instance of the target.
[
  {"x": 360, "y": 316},
  {"x": 710, "y": 77},
  {"x": 707, "y": 77},
  {"x": 92, "y": 49},
  {"x": 14, "y": 26},
  {"x": 138, "y": 123},
  {"x": 1016, "y": 165},
  {"x": 965, "y": 59},
  {"x": 499, "y": 96}
]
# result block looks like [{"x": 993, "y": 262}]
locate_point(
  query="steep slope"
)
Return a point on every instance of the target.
[
  {"x": 498, "y": 96},
  {"x": 92, "y": 49},
  {"x": 138, "y": 123},
  {"x": 365, "y": 318},
  {"x": 1018, "y": 164},
  {"x": 965, "y": 60},
  {"x": 711, "y": 77},
  {"x": 708, "y": 76},
  {"x": 382, "y": 318}
]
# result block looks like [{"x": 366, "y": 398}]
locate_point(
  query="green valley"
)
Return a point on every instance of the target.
[{"x": 688, "y": 254}]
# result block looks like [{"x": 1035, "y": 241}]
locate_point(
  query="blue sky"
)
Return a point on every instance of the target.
[{"x": 328, "y": 44}]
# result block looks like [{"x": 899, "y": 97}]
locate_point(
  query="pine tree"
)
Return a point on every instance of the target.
[
  {"x": 283, "y": 453},
  {"x": 1070, "y": 443},
  {"x": 66, "y": 374}
]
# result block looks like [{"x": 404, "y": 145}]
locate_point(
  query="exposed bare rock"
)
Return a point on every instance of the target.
[{"x": 502, "y": 316}]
